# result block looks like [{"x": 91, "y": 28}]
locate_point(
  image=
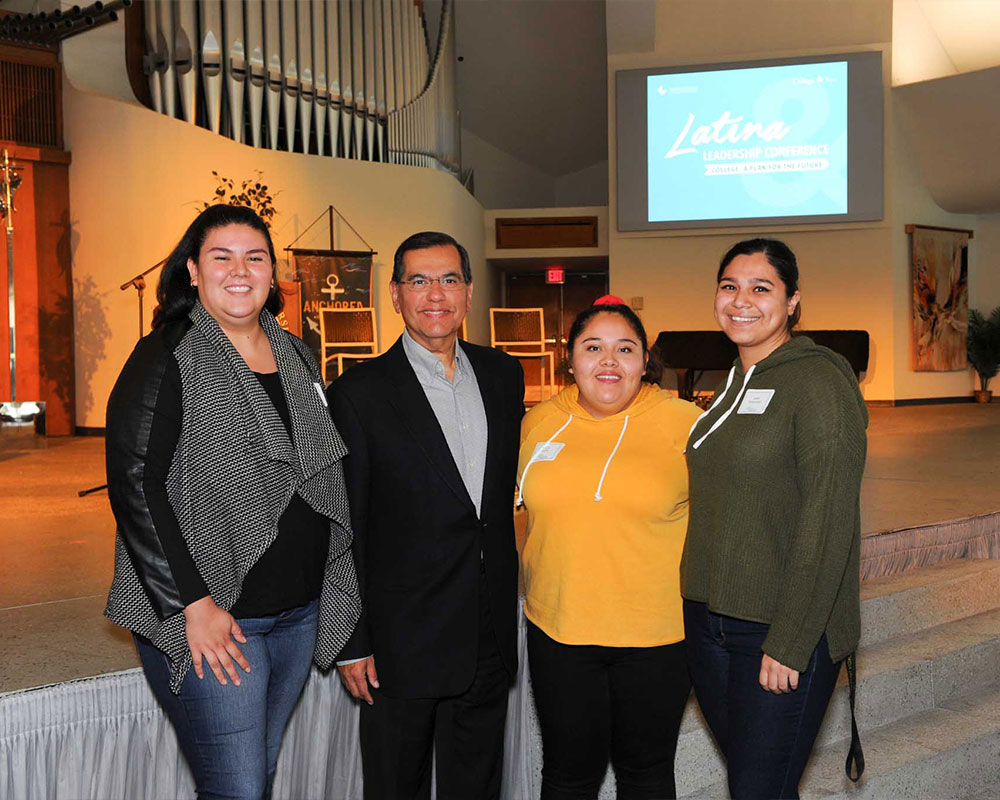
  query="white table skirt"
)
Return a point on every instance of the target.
[{"x": 106, "y": 738}]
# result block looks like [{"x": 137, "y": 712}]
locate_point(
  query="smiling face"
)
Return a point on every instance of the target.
[
  {"x": 607, "y": 363},
  {"x": 233, "y": 275},
  {"x": 433, "y": 313},
  {"x": 752, "y": 307}
]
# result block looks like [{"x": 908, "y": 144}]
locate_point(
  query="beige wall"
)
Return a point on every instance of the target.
[
  {"x": 585, "y": 187},
  {"x": 137, "y": 180},
  {"x": 852, "y": 276},
  {"x": 912, "y": 203},
  {"x": 985, "y": 279},
  {"x": 501, "y": 180}
]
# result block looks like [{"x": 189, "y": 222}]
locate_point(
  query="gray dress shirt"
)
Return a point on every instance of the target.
[{"x": 458, "y": 407}]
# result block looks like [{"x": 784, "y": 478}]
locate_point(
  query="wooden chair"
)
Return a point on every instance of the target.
[
  {"x": 346, "y": 331},
  {"x": 520, "y": 332},
  {"x": 347, "y": 360}
]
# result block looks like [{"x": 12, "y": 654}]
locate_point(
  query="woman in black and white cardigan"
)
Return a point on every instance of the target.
[{"x": 233, "y": 565}]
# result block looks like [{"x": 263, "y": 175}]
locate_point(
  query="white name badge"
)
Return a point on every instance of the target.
[
  {"x": 321, "y": 393},
  {"x": 547, "y": 451},
  {"x": 755, "y": 401}
]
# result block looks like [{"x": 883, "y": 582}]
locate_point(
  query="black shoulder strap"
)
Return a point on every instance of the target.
[{"x": 855, "y": 756}]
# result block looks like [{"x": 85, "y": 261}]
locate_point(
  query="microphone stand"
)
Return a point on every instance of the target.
[
  {"x": 17, "y": 411},
  {"x": 139, "y": 284}
]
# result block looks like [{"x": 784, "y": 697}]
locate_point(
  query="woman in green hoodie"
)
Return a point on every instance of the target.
[{"x": 769, "y": 573}]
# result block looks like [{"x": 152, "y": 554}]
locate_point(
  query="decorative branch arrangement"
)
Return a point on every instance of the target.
[{"x": 252, "y": 193}]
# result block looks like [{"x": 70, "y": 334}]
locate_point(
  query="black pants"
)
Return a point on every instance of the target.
[
  {"x": 765, "y": 737},
  {"x": 464, "y": 734},
  {"x": 598, "y": 702}
]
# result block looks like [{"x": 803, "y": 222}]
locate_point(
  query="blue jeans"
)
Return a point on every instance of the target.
[
  {"x": 231, "y": 735},
  {"x": 766, "y": 738}
]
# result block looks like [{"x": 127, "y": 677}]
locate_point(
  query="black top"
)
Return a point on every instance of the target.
[{"x": 289, "y": 573}]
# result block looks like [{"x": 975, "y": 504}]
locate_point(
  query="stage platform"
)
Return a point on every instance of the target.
[{"x": 931, "y": 492}]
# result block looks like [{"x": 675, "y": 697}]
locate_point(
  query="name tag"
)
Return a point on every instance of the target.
[
  {"x": 755, "y": 401},
  {"x": 321, "y": 393},
  {"x": 547, "y": 451}
]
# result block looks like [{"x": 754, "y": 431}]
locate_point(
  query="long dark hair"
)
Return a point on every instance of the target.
[
  {"x": 654, "y": 370},
  {"x": 780, "y": 256},
  {"x": 174, "y": 293}
]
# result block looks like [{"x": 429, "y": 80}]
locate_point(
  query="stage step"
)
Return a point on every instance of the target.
[
  {"x": 933, "y": 653},
  {"x": 902, "y": 604},
  {"x": 946, "y": 753},
  {"x": 912, "y": 674}
]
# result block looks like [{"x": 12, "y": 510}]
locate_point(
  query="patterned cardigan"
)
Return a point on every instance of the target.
[{"x": 233, "y": 474}]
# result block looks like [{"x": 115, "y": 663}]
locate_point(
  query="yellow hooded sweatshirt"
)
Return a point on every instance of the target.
[{"x": 607, "y": 503}]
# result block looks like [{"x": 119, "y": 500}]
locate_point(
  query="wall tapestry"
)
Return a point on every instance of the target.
[{"x": 940, "y": 273}]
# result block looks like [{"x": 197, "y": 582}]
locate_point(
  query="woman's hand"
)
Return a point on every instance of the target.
[
  {"x": 210, "y": 635},
  {"x": 777, "y": 678}
]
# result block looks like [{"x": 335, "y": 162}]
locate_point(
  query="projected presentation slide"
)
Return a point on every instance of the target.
[{"x": 741, "y": 143}]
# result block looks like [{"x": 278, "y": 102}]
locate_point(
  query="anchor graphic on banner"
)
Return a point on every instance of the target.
[{"x": 333, "y": 287}]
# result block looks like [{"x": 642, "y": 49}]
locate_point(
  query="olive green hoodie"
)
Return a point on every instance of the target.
[{"x": 775, "y": 469}]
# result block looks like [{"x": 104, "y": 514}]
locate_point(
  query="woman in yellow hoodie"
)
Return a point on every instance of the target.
[{"x": 603, "y": 477}]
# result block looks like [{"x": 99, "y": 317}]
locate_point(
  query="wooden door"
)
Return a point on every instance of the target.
[{"x": 562, "y": 302}]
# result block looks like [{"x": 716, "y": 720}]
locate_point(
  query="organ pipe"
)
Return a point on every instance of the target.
[
  {"x": 357, "y": 77},
  {"x": 256, "y": 67}
]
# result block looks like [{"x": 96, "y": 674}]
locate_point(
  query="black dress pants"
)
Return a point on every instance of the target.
[
  {"x": 464, "y": 734},
  {"x": 598, "y": 702}
]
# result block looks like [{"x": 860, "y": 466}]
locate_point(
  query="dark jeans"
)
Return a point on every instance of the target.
[
  {"x": 464, "y": 733},
  {"x": 231, "y": 735},
  {"x": 598, "y": 702},
  {"x": 765, "y": 737}
]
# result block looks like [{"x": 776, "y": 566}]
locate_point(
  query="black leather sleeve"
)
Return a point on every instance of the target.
[
  {"x": 519, "y": 388},
  {"x": 143, "y": 426},
  {"x": 357, "y": 479}
]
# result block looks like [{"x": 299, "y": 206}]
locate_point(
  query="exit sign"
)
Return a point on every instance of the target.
[{"x": 555, "y": 275}]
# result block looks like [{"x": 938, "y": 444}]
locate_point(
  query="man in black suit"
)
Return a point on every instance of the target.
[{"x": 432, "y": 427}]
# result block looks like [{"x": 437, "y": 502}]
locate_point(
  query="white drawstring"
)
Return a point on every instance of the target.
[
  {"x": 707, "y": 411},
  {"x": 600, "y": 483},
  {"x": 538, "y": 451},
  {"x": 729, "y": 410}
]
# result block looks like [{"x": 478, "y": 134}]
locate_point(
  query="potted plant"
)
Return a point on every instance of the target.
[{"x": 983, "y": 349}]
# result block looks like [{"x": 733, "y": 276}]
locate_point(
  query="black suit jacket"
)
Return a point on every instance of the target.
[{"x": 417, "y": 539}]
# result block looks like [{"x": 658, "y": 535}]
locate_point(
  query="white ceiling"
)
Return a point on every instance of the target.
[
  {"x": 533, "y": 79},
  {"x": 946, "y": 81},
  {"x": 935, "y": 38},
  {"x": 952, "y": 127}
]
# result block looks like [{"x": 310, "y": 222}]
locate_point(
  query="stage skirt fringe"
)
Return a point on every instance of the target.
[
  {"x": 907, "y": 549},
  {"x": 105, "y": 738}
]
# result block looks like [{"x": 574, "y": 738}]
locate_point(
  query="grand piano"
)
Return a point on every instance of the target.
[{"x": 692, "y": 353}]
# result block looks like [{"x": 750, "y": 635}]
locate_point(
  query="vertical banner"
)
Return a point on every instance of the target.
[
  {"x": 940, "y": 263},
  {"x": 330, "y": 279}
]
